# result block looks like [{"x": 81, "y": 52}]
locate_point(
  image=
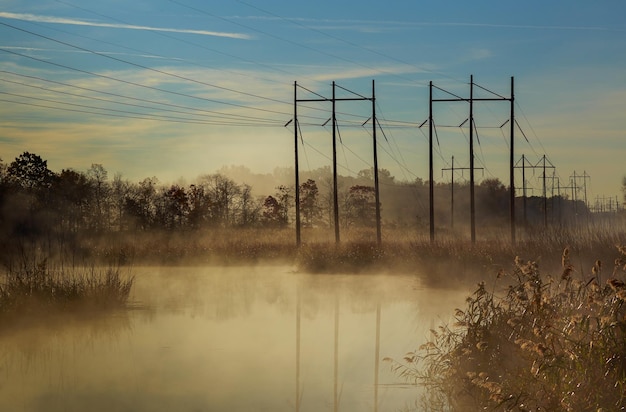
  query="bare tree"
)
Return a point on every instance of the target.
[{"x": 101, "y": 190}]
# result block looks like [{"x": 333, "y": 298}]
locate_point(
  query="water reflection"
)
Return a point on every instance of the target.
[{"x": 227, "y": 339}]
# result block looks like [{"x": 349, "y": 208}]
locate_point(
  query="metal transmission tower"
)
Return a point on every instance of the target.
[
  {"x": 471, "y": 101},
  {"x": 574, "y": 185},
  {"x": 584, "y": 177},
  {"x": 452, "y": 169},
  {"x": 333, "y": 100},
  {"x": 541, "y": 164}
]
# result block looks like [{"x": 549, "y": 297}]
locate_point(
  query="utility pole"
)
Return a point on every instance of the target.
[
  {"x": 558, "y": 192},
  {"x": 297, "y": 171},
  {"x": 431, "y": 183},
  {"x": 545, "y": 195},
  {"x": 451, "y": 193},
  {"x": 471, "y": 149},
  {"x": 552, "y": 194},
  {"x": 375, "y": 150},
  {"x": 585, "y": 176},
  {"x": 523, "y": 167},
  {"x": 512, "y": 161},
  {"x": 335, "y": 195}
]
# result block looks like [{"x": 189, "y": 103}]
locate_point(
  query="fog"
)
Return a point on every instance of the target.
[{"x": 215, "y": 338}]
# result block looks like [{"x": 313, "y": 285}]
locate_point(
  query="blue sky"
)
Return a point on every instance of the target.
[{"x": 179, "y": 88}]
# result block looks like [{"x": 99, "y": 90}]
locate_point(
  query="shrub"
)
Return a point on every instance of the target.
[{"x": 547, "y": 344}]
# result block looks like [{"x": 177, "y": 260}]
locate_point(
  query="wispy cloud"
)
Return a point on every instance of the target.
[
  {"x": 388, "y": 25},
  {"x": 38, "y": 49},
  {"x": 75, "y": 22}
]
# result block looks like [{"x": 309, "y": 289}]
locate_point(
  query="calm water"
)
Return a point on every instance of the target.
[{"x": 228, "y": 339}]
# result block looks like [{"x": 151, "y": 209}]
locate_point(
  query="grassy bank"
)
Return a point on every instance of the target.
[{"x": 529, "y": 342}]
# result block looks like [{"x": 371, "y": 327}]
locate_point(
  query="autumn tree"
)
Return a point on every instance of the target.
[
  {"x": 72, "y": 193},
  {"x": 493, "y": 200},
  {"x": 222, "y": 193},
  {"x": 173, "y": 208},
  {"x": 309, "y": 202},
  {"x": 248, "y": 208},
  {"x": 272, "y": 214},
  {"x": 100, "y": 199},
  {"x": 29, "y": 171},
  {"x": 140, "y": 205},
  {"x": 198, "y": 206},
  {"x": 27, "y": 207},
  {"x": 284, "y": 196},
  {"x": 360, "y": 206},
  {"x": 120, "y": 191}
]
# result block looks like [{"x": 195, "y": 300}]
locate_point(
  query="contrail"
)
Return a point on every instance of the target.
[{"x": 63, "y": 20}]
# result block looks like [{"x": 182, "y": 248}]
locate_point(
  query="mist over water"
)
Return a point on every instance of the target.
[{"x": 227, "y": 339}]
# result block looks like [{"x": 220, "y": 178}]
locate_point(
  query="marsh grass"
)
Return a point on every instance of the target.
[
  {"x": 554, "y": 343},
  {"x": 449, "y": 261},
  {"x": 214, "y": 247},
  {"x": 41, "y": 288}
]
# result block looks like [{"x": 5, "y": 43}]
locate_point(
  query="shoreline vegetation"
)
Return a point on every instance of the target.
[{"x": 529, "y": 340}]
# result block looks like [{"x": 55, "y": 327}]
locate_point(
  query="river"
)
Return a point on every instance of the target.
[{"x": 228, "y": 339}]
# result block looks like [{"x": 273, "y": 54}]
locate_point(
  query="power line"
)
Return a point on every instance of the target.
[
  {"x": 201, "y": 46},
  {"x": 129, "y": 82},
  {"x": 121, "y": 113},
  {"x": 260, "y": 120},
  {"x": 159, "y": 71},
  {"x": 351, "y": 44}
]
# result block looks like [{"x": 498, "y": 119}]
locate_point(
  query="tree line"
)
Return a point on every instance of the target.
[{"x": 35, "y": 201}]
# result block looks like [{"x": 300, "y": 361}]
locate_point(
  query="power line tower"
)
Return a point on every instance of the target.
[
  {"x": 512, "y": 121},
  {"x": 333, "y": 100},
  {"x": 575, "y": 178},
  {"x": 452, "y": 169},
  {"x": 541, "y": 164}
]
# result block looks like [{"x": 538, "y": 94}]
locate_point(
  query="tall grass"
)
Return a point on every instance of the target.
[
  {"x": 548, "y": 343},
  {"x": 41, "y": 288}
]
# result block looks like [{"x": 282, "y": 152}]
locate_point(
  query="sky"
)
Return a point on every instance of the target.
[{"x": 180, "y": 88}]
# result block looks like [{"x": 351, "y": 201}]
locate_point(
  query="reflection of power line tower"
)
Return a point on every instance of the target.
[
  {"x": 452, "y": 169},
  {"x": 298, "y": 337},
  {"x": 336, "y": 388}
]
